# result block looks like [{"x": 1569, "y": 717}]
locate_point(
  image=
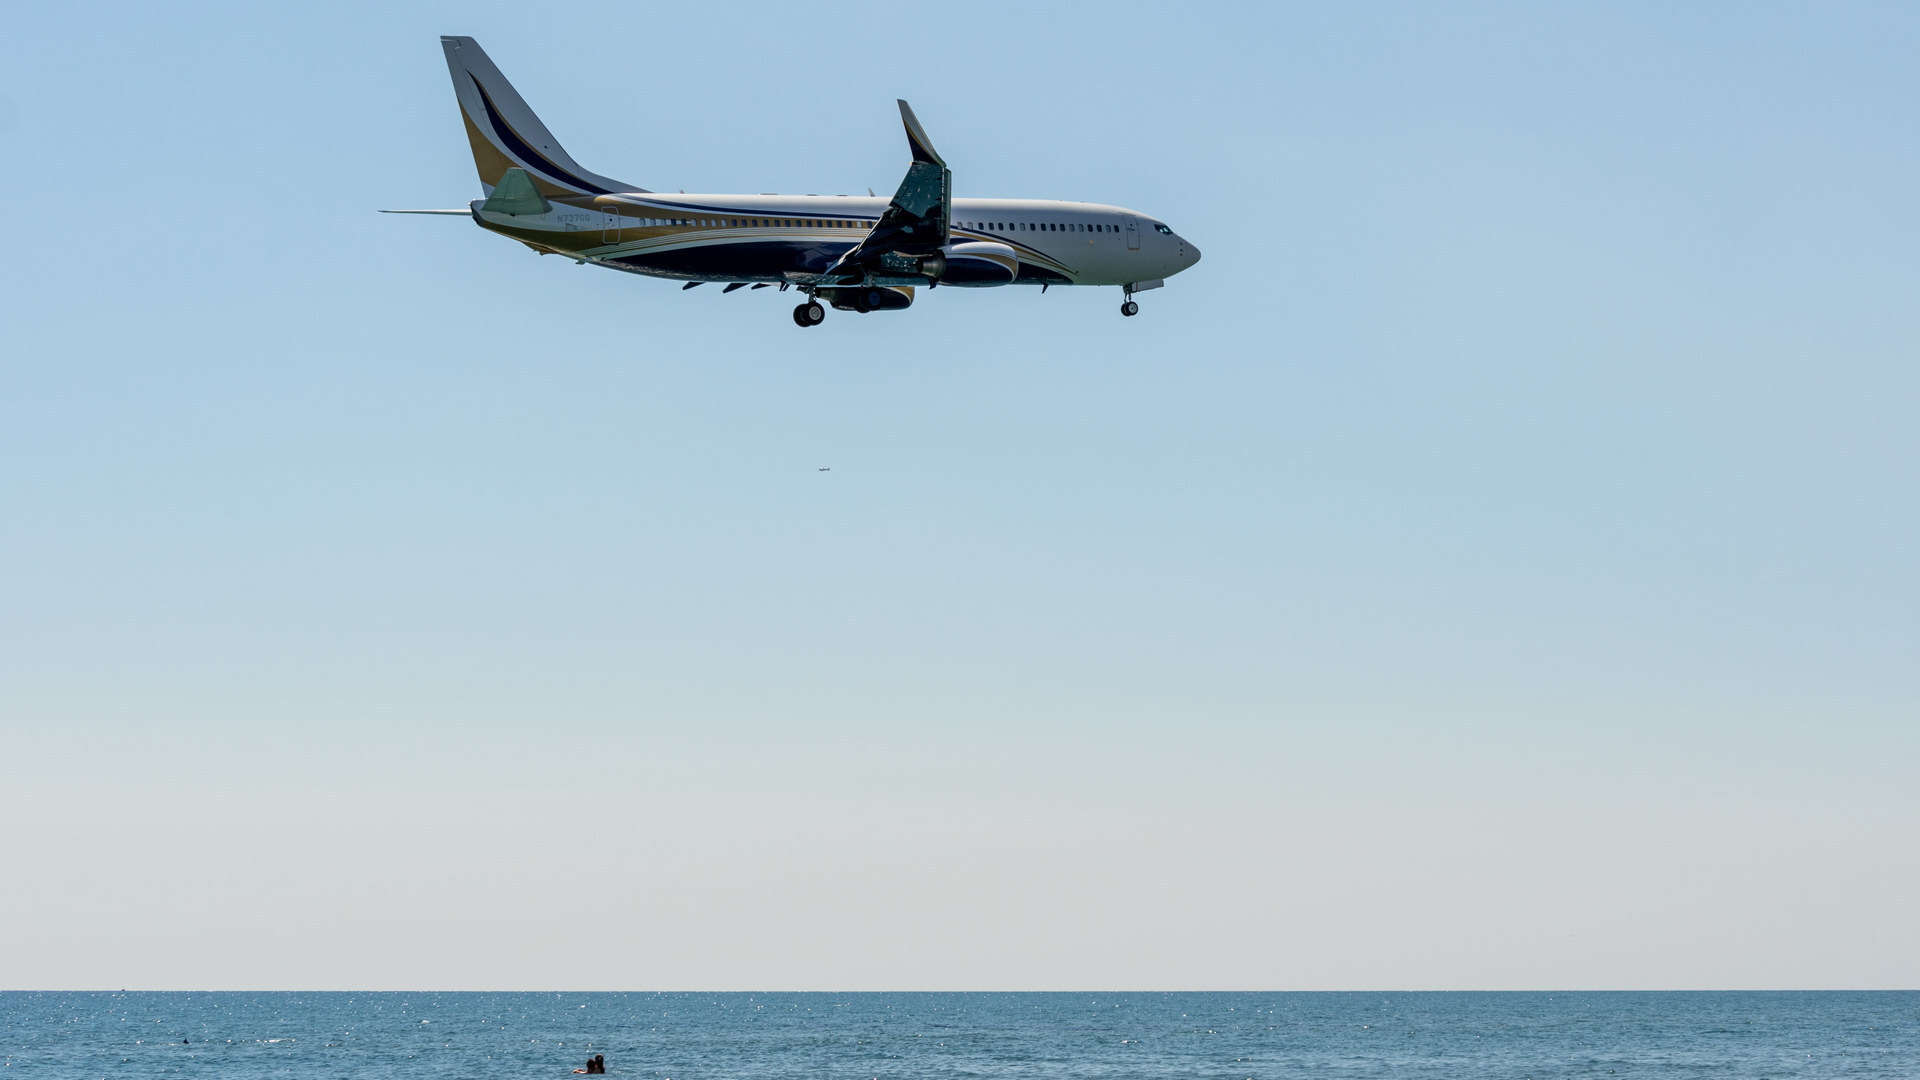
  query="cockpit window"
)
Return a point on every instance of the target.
[{"x": 1159, "y": 228}]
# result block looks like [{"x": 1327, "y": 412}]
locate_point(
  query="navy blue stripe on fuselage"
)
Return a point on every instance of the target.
[
  {"x": 735, "y": 260},
  {"x": 525, "y": 153}
]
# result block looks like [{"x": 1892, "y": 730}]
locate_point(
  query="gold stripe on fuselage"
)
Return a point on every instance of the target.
[{"x": 586, "y": 238}]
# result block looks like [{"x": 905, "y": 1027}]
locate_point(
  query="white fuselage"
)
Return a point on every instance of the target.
[{"x": 773, "y": 237}]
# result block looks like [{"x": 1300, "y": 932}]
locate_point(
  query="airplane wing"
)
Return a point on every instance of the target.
[{"x": 918, "y": 220}]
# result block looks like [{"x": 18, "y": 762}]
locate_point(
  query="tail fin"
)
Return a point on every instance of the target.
[{"x": 506, "y": 134}]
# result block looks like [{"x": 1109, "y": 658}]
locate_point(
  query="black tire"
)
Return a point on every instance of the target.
[
  {"x": 800, "y": 316},
  {"x": 1129, "y": 309},
  {"x": 813, "y": 313}
]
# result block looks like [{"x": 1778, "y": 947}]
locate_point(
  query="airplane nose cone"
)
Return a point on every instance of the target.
[{"x": 1193, "y": 253}]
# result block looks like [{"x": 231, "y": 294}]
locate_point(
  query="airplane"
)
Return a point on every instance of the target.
[{"x": 856, "y": 254}]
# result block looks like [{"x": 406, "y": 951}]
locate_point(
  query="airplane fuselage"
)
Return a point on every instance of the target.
[{"x": 780, "y": 238}]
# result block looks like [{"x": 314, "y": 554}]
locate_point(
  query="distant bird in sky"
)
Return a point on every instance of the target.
[{"x": 827, "y": 469}]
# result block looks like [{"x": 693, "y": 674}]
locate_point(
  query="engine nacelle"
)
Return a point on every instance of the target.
[
  {"x": 975, "y": 264},
  {"x": 875, "y": 298}
]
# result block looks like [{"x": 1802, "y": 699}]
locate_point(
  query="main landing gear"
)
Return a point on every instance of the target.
[{"x": 810, "y": 313}]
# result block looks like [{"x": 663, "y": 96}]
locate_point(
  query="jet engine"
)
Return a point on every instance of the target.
[{"x": 974, "y": 264}]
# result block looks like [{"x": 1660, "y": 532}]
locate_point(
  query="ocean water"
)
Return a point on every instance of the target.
[{"x": 887, "y": 1036}]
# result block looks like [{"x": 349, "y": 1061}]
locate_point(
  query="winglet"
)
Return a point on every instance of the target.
[{"x": 917, "y": 136}]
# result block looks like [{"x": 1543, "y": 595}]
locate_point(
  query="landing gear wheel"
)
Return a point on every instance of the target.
[
  {"x": 809, "y": 314},
  {"x": 1129, "y": 309}
]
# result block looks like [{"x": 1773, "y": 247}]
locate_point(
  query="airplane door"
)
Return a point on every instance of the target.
[
  {"x": 610, "y": 226},
  {"x": 1133, "y": 232}
]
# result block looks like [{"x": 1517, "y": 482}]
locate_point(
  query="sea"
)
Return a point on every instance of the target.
[{"x": 908, "y": 1036}]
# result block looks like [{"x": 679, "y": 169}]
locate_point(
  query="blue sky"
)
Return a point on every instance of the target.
[{"x": 1492, "y": 567}]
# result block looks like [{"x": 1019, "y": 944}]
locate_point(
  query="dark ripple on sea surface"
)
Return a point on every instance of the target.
[{"x": 1214, "y": 1036}]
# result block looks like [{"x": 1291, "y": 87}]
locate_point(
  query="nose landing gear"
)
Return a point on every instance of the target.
[
  {"x": 1129, "y": 309},
  {"x": 810, "y": 313}
]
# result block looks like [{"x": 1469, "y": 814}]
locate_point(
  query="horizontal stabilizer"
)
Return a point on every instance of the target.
[{"x": 516, "y": 194}]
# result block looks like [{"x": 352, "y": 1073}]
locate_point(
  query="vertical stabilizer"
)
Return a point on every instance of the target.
[{"x": 506, "y": 134}]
